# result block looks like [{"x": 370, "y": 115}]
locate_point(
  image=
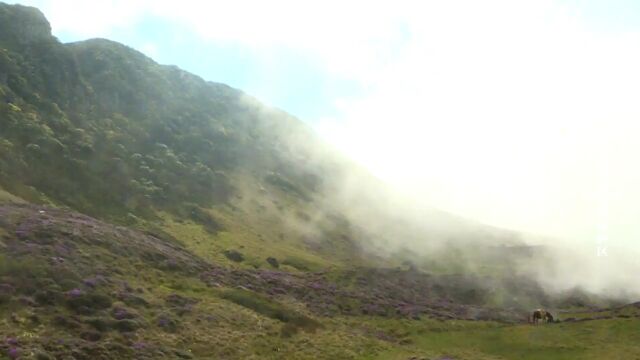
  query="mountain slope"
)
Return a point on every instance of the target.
[
  {"x": 102, "y": 128},
  {"x": 147, "y": 213},
  {"x": 83, "y": 288},
  {"x": 72, "y": 286}
]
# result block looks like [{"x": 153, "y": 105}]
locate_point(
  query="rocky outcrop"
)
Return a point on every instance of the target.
[{"x": 22, "y": 25}]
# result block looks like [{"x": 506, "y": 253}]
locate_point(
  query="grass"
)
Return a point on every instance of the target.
[
  {"x": 356, "y": 338},
  {"x": 239, "y": 324},
  {"x": 6, "y": 197},
  {"x": 271, "y": 309},
  {"x": 256, "y": 245},
  {"x": 600, "y": 339}
]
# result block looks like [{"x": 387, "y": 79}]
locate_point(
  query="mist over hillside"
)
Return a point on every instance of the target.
[
  {"x": 101, "y": 128},
  {"x": 141, "y": 204}
]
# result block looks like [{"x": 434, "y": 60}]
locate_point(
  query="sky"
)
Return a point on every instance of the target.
[{"x": 521, "y": 114}]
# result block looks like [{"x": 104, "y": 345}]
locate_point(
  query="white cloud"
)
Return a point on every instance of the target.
[
  {"x": 506, "y": 113},
  {"x": 150, "y": 49}
]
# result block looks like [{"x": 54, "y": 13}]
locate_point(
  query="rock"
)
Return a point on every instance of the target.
[{"x": 23, "y": 25}]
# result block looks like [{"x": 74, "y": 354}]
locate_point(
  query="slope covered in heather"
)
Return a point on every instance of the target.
[
  {"x": 72, "y": 286},
  {"x": 147, "y": 213}
]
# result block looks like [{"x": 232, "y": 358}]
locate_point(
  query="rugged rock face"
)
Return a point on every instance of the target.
[{"x": 23, "y": 25}]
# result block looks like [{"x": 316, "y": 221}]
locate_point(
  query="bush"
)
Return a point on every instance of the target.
[
  {"x": 204, "y": 218},
  {"x": 88, "y": 303},
  {"x": 126, "y": 325},
  {"x": 269, "y": 308},
  {"x": 234, "y": 255},
  {"x": 65, "y": 322},
  {"x": 25, "y": 273},
  {"x": 99, "y": 324},
  {"x": 6, "y": 291},
  {"x": 273, "y": 262},
  {"x": 91, "y": 335},
  {"x": 47, "y": 297},
  {"x": 300, "y": 264},
  {"x": 288, "y": 330},
  {"x": 168, "y": 323},
  {"x": 133, "y": 300}
]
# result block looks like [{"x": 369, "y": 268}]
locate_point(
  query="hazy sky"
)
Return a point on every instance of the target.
[{"x": 521, "y": 114}]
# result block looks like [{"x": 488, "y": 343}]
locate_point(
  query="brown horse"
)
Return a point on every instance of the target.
[{"x": 540, "y": 314}]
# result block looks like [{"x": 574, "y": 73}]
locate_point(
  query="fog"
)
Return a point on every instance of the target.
[
  {"x": 515, "y": 117},
  {"x": 521, "y": 120}
]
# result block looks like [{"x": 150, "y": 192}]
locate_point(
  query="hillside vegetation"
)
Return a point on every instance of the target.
[
  {"x": 146, "y": 213},
  {"x": 99, "y": 127}
]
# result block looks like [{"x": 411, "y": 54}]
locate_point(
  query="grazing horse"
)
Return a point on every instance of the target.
[
  {"x": 548, "y": 318},
  {"x": 543, "y": 315}
]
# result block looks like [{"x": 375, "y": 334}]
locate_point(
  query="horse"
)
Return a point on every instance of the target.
[
  {"x": 549, "y": 318},
  {"x": 540, "y": 314}
]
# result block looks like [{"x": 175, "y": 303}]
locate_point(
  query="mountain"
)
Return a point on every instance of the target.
[
  {"x": 146, "y": 213},
  {"x": 100, "y": 128}
]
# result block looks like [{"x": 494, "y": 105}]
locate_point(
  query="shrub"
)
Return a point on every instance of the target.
[
  {"x": 66, "y": 323},
  {"x": 167, "y": 323},
  {"x": 288, "y": 330},
  {"x": 42, "y": 355},
  {"x": 120, "y": 313},
  {"x": 91, "y": 335},
  {"x": 269, "y": 308},
  {"x": 234, "y": 255},
  {"x": 99, "y": 324},
  {"x": 300, "y": 264},
  {"x": 204, "y": 218},
  {"x": 133, "y": 300},
  {"x": 6, "y": 291},
  {"x": 88, "y": 303},
  {"x": 25, "y": 273},
  {"x": 273, "y": 262},
  {"x": 126, "y": 325},
  {"x": 47, "y": 297}
]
